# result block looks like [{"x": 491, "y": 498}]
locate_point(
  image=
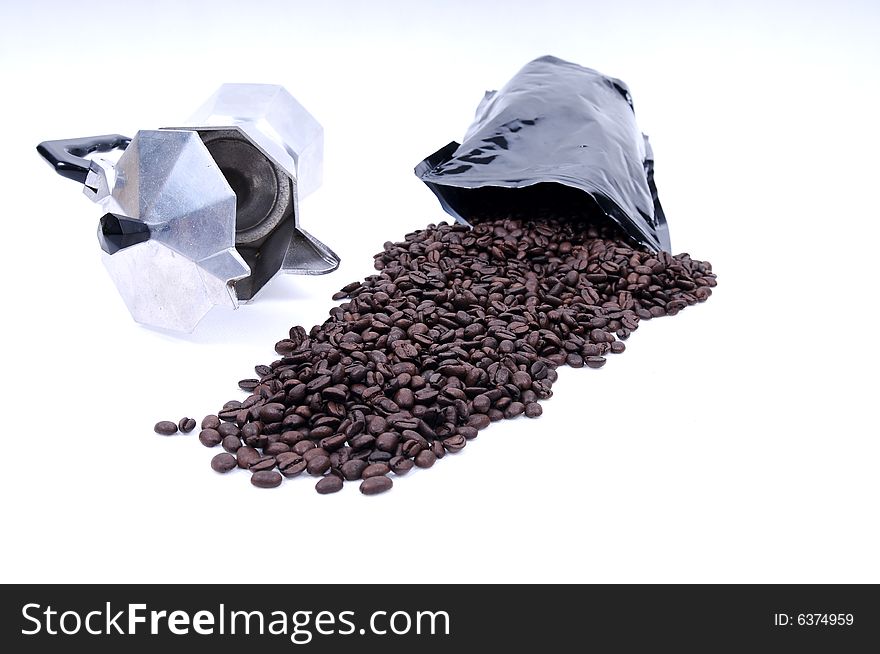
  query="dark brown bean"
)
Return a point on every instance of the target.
[
  {"x": 231, "y": 444},
  {"x": 329, "y": 484},
  {"x": 245, "y": 456},
  {"x": 375, "y": 469},
  {"x": 165, "y": 428},
  {"x": 223, "y": 462},
  {"x": 209, "y": 437},
  {"x": 352, "y": 470},
  {"x": 318, "y": 465},
  {"x": 376, "y": 485},
  {"x": 210, "y": 422},
  {"x": 264, "y": 462},
  {"x": 400, "y": 465},
  {"x": 533, "y": 410},
  {"x": 266, "y": 479},
  {"x": 186, "y": 425},
  {"x": 228, "y": 429}
]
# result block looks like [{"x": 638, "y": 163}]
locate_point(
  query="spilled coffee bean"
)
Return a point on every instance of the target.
[
  {"x": 459, "y": 328},
  {"x": 165, "y": 428},
  {"x": 223, "y": 462},
  {"x": 186, "y": 425}
]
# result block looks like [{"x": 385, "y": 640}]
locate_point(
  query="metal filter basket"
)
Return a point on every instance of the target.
[{"x": 206, "y": 213}]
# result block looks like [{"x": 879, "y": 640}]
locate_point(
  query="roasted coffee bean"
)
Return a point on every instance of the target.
[
  {"x": 533, "y": 410},
  {"x": 245, "y": 456},
  {"x": 266, "y": 479},
  {"x": 308, "y": 455},
  {"x": 228, "y": 429},
  {"x": 454, "y": 443},
  {"x": 271, "y": 413},
  {"x": 329, "y": 484},
  {"x": 276, "y": 448},
  {"x": 514, "y": 409},
  {"x": 303, "y": 446},
  {"x": 387, "y": 442},
  {"x": 210, "y": 422},
  {"x": 363, "y": 441},
  {"x": 208, "y": 437},
  {"x": 318, "y": 465},
  {"x": 376, "y": 485},
  {"x": 375, "y": 469},
  {"x": 265, "y": 462},
  {"x": 223, "y": 462},
  {"x": 353, "y": 469},
  {"x": 425, "y": 459},
  {"x": 460, "y": 328},
  {"x": 479, "y": 421},
  {"x": 186, "y": 425},
  {"x": 165, "y": 428},
  {"x": 400, "y": 465},
  {"x": 231, "y": 444},
  {"x": 482, "y": 403},
  {"x": 291, "y": 464}
]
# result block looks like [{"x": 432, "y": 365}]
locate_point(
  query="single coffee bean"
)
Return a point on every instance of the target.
[
  {"x": 353, "y": 469},
  {"x": 165, "y": 428},
  {"x": 328, "y": 484},
  {"x": 186, "y": 425},
  {"x": 387, "y": 441},
  {"x": 376, "y": 485},
  {"x": 314, "y": 453},
  {"x": 375, "y": 469},
  {"x": 291, "y": 464},
  {"x": 304, "y": 446},
  {"x": 231, "y": 444},
  {"x": 533, "y": 410},
  {"x": 272, "y": 413},
  {"x": 266, "y": 479},
  {"x": 228, "y": 429},
  {"x": 482, "y": 403},
  {"x": 223, "y": 462},
  {"x": 455, "y": 443},
  {"x": 425, "y": 459},
  {"x": 479, "y": 421},
  {"x": 318, "y": 465},
  {"x": 209, "y": 437},
  {"x": 595, "y": 362},
  {"x": 265, "y": 462},
  {"x": 210, "y": 422},
  {"x": 400, "y": 465},
  {"x": 245, "y": 456},
  {"x": 514, "y": 409},
  {"x": 276, "y": 448}
]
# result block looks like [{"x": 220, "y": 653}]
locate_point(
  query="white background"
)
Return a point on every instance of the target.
[{"x": 736, "y": 442}]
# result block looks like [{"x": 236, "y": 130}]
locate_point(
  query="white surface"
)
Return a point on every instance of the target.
[{"x": 735, "y": 442}]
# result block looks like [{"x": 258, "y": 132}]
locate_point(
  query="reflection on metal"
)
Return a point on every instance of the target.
[
  {"x": 206, "y": 213},
  {"x": 168, "y": 181}
]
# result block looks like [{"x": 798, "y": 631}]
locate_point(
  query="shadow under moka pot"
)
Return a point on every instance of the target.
[{"x": 205, "y": 213}]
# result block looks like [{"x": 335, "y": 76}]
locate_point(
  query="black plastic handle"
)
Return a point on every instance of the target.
[{"x": 67, "y": 156}]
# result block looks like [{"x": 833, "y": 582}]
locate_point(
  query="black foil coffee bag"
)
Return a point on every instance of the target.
[{"x": 557, "y": 135}]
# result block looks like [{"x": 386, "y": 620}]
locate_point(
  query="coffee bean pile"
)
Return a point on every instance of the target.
[{"x": 460, "y": 328}]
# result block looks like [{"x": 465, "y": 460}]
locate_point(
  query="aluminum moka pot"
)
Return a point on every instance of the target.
[{"x": 206, "y": 213}]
